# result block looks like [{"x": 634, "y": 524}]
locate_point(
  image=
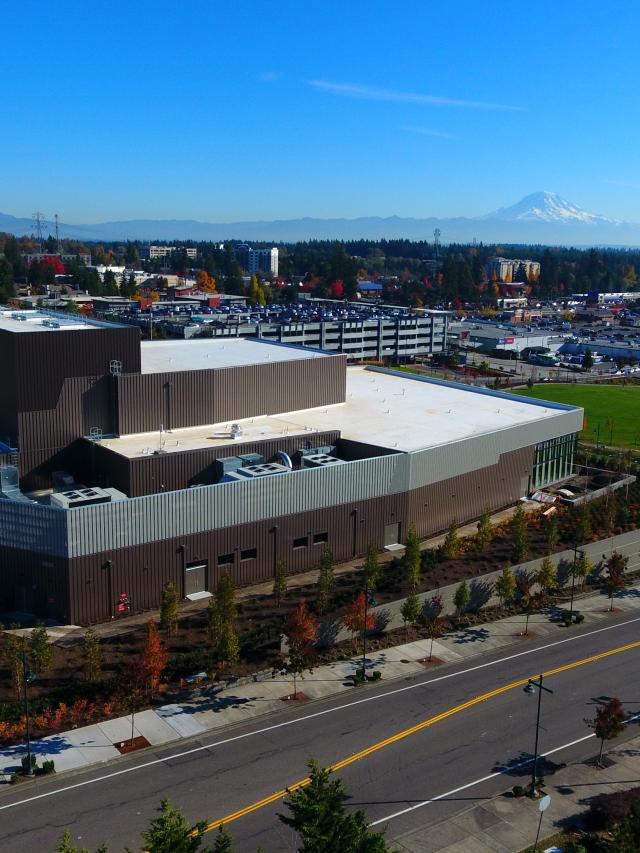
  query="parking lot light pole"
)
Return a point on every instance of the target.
[{"x": 531, "y": 687}]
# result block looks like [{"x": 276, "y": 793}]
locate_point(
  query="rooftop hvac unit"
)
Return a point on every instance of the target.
[
  {"x": 62, "y": 481},
  {"x": 265, "y": 470},
  {"x": 226, "y": 464},
  {"x": 315, "y": 451},
  {"x": 251, "y": 459},
  {"x": 80, "y": 497},
  {"x": 319, "y": 460}
]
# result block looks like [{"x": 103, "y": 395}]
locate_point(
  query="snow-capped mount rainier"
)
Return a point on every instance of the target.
[
  {"x": 546, "y": 207},
  {"x": 542, "y": 218}
]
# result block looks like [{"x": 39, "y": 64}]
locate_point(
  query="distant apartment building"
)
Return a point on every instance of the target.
[
  {"x": 505, "y": 269},
  {"x": 154, "y": 253},
  {"x": 257, "y": 260}
]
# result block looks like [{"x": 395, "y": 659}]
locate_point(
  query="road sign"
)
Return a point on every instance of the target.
[{"x": 545, "y": 802}]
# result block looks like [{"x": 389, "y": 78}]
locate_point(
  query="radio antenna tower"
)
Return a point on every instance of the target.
[
  {"x": 57, "y": 234},
  {"x": 436, "y": 241},
  {"x": 38, "y": 221}
]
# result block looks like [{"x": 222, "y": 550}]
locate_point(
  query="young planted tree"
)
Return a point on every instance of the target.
[
  {"x": 552, "y": 531},
  {"x": 169, "y": 609},
  {"x": 485, "y": 531},
  {"x": 450, "y": 548},
  {"x": 505, "y": 587},
  {"x": 525, "y": 596},
  {"x": 280, "y": 583},
  {"x": 12, "y": 656},
  {"x": 410, "y": 611},
  {"x": 614, "y": 580},
  {"x": 317, "y": 813},
  {"x": 584, "y": 568},
  {"x": 153, "y": 658},
  {"x": 92, "y": 655},
  {"x": 170, "y": 832},
  {"x": 371, "y": 568},
  {"x": 546, "y": 576},
  {"x": 583, "y": 524},
  {"x": 301, "y": 631},
  {"x": 41, "y": 649},
  {"x": 609, "y": 722},
  {"x": 433, "y": 621},
  {"x": 357, "y": 618},
  {"x": 325, "y": 581},
  {"x": 462, "y": 598},
  {"x": 519, "y": 535},
  {"x": 412, "y": 559},
  {"x": 221, "y": 614}
]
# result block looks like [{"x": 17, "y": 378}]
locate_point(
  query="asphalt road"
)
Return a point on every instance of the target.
[{"x": 468, "y": 739}]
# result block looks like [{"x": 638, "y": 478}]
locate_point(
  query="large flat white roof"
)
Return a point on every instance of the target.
[
  {"x": 33, "y": 320},
  {"x": 398, "y": 412},
  {"x": 209, "y": 353}
]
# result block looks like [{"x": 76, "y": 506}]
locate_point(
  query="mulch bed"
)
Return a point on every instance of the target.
[
  {"x": 298, "y": 697},
  {"x": 126, "y": 746}
]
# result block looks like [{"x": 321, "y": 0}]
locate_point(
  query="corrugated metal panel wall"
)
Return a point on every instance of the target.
[
  {"x": 195, "y": 397},
  {"x": 32, "y": 527}
]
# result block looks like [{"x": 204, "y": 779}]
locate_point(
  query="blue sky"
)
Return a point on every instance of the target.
[{"x": 272, "y": 110}]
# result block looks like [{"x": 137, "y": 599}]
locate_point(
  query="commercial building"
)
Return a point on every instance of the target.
[
  {"x": 505, "y": 269},
  {"x": 257, "y": 260},
  {"x": 128, "y": 464},
  {"x": 154, "y": 253}
]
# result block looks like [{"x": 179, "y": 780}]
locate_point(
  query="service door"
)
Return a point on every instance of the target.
[
  {"x": 392, "y": 534},
  {"x": 195, "y": 578}
]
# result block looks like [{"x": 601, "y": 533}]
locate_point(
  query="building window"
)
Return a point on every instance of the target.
[
  {"x": 301, "y": 542},
  {"x": 320, "y": 538},
  {"x": 554, "y": 460},
  {"x": 249, "y": 554},
  {"x": 225, "y": 560}
]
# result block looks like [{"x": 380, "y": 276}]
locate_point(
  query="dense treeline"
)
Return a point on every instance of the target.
[{"x": 413, "y": 272}]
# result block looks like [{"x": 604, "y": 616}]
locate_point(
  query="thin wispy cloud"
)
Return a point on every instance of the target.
[
  {"x": 270, "y": 76},
  {"x": 371, "y": 93},
  {"x": 630, "y": 185},
  {"x": 426, "y": 131}
]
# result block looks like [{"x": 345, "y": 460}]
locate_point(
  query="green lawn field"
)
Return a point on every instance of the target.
[{"x": 615, "y": 408}]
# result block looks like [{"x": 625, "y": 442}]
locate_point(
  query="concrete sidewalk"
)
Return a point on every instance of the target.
[
  {"x": 212, "y": 709},
  {"x": 504, "y": 824}
]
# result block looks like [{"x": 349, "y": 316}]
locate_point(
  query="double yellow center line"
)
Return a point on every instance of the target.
[{"x": 364, "y": 753}]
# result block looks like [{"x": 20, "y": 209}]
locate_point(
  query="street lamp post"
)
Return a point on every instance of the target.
[
  {"x": 531, "y": 688},
  {"x": 573, "y": 577},
  {"x": 28, "y": 677}
]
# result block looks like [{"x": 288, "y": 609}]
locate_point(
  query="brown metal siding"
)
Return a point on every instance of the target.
[
  {"x": 140, "y": 571},
  {"x": 42, "y": 578},
  {"x": 8, "y": 409},
  {"x": 145, "y": 475},
  {"x": 195, "y": 397}
]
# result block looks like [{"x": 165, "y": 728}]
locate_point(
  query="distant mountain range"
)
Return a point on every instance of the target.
[{"x": 542, "y": 217}]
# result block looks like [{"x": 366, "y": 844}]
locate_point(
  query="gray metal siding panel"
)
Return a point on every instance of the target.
[{"x": 31, "y": 527}]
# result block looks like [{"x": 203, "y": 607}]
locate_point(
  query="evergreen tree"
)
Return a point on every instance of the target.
[
  {"x": 462, "y": 598},
  {"x": 280, "y": 583},
  {"x": 92, "y": 654},
  {"x": 12, "y": 656},
  {"x": 223, "y": 842},
  {"x": 451, "y": 546},
  {"x": 65, "y": 846},
  {"x": 325, "y": 581},
  {"x": 519, "y": 535},
  {"x": 553, "y": 531},
  {"x": 169, "y": 608},
  {"x": 485, "y": 531},
  {"x": 412, "y": 559},
  {"x": 505, "y": 587},
  {"x": 583, "y": 524},
  {"x": 170, "y": 832},
  {"x": 221, "y": 620},
  {"x": 41, "y": 649},
  {"x": 587, "y": 359},
  {"x": 7, "y": 290},
  {"x": 317, "y": 813}
]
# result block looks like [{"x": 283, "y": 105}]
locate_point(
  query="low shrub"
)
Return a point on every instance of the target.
[
  {"x": 48, "y": 767},
  {"x": 519, "y": 791},
  {"x": 607, "y": 810},
  {"x": 28, "y": 760},
  {"x": 578, "y": 618},
  {"x": 376, "y": 675},
  {"x": 565, "y": 618}
]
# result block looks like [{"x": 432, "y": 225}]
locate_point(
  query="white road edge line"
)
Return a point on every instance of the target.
[
  {"x": 286, "y": 723},
  {"x": 502, "y": 772}
]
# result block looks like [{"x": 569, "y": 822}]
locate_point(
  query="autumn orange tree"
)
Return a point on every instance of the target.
[
  {"x": 205, "y": 282},
  {"x": 301, "y": 631},
  {"x": 357, "y": 618},
  {"x": 153, "y": 658}
]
